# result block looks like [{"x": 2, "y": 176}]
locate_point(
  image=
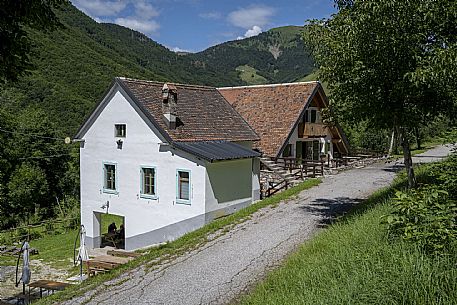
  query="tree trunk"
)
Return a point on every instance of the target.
[
  {"x": 392, "y": 139},
  {"x": 418, "y": 138},
  {"x": 407, "y": 158}
]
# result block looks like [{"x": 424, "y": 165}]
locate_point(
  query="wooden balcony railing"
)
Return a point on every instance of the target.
[{"x": 312, "y": 130}]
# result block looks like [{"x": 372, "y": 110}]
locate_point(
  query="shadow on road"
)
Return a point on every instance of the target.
[
  {"x": 330, "y": 209},
  {"x": 394, "y": 168}
]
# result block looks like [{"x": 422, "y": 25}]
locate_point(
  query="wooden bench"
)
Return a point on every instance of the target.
[
  {"x": 104, "y": 263},
  {"x": 93, "y": 267}
]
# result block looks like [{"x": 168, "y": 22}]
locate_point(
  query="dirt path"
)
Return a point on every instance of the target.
[{"x": 229, "y": 265}]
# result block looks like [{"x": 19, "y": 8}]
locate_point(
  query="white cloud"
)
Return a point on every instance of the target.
[
  {"x": 256, "y": 30},
  {"x": 247, "y": 18},
  {"x": 96, "y": 8},
  {"x": 178, "y": 49},
  {"x": 211, "y": 15},
  {"x": 145, "y": 10},
  {"x": 144, "y": 26}
]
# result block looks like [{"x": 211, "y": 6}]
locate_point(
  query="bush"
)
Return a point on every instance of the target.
[{"x": 426, "y": 216}]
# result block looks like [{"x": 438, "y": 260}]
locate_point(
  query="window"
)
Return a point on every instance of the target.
[
  {"x": 121, "y": 130},
  {"x": 109, "y": 183},
  {"x": 313, "y": 116},
  {"x": 148, "y": 182},
  {"x": 183, "y": 195},
  {"x": 306, "y": 117}
]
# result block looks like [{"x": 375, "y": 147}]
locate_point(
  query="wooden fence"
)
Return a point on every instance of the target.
[{"x": 301, "y": 168}]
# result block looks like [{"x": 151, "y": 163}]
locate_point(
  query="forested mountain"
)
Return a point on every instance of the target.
[
  {"x": 75, "y": 64},
  {"x": 278, "y": 55}
]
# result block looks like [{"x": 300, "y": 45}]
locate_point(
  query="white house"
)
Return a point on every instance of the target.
[{"x": 166, "y": 157}]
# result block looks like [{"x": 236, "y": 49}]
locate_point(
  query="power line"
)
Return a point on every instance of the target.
[
  {"x": 31, "y": 135},
  {"x": 45, "y": 157}
]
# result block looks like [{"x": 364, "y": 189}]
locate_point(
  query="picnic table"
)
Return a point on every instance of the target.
[
  {"x": 105, "y": 263},
  {"x": 48, "y": 286}
]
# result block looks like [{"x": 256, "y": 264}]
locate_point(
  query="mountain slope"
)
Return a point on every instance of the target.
[
  {"x": 75, "y": 64},
  {"x": 277, "y": 55}
]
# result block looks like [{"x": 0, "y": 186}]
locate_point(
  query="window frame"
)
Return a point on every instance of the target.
[
  {"x": 142, "y": 194},
  {"x": 307, "y": 117},
  {"x": 180, "y": 200},
  {"x": 104, "y": 176},
  {"x": 313, "y": 111},
  {"x": 116, "y": 130}
]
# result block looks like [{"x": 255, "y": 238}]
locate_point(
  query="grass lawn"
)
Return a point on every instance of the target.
[
  {"x": 181, "y": 245},
  {"x": 354, "y": 262},
  {"x": 55, "y": 250}
]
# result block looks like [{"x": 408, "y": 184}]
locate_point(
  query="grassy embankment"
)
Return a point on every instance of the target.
[
  {"x": 153, "y": 256},
  {"x": 54, "y": 250},
  {"x": 357, "y": 261}
]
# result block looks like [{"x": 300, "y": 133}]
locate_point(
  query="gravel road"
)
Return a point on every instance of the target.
[{"x": 229, "y": 265}]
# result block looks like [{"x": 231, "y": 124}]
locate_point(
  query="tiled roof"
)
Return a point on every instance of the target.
[
  {"x": 204, "y": 114},
  {"x": 216, "y": 150},
  {"x": 272, "y": 110}
]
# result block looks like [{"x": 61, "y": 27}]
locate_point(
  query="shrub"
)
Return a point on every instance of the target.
[{"x": 426, "y": 216}]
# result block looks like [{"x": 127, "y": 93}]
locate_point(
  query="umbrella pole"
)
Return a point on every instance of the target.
[{"x": 81, "y": 268}]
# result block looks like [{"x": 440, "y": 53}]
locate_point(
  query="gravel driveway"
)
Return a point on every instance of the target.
[{"x": 219, "y": 271}]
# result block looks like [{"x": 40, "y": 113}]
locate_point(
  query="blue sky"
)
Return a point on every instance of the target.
[{"x": 194, "y": 25}]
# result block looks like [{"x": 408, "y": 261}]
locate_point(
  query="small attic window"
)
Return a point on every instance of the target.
[{"x": 120, "y": 130}]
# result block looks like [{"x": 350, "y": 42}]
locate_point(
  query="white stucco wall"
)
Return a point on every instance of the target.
[{"x": 140, "y": 147}]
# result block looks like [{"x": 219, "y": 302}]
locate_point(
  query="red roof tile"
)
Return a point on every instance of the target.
[
  {"x": 205, "y": 114},
  {"x": 272, "y": 110}
]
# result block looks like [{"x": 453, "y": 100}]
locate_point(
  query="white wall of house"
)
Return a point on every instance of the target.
[
  {"x": 140, "y": 148},
  {"x": 224, "y": 185}
]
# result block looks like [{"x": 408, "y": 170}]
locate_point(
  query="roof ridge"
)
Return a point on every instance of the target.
[
  {"x": 270, "y": 85},
  {"x": 164, "y": 82}
]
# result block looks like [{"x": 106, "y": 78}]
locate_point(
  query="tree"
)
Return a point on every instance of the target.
[
  {"x": 388, "y": 62},
  {"x": 28, "y": 190},
  {"x": 15, "y": 16}
]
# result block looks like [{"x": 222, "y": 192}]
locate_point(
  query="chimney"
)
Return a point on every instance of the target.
[{"x": 170, "y": 105}]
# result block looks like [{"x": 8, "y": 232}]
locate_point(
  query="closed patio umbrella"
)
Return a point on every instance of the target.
[
  {"x": 82, "y": 251},
  {"x": 26, "y": 272}
]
